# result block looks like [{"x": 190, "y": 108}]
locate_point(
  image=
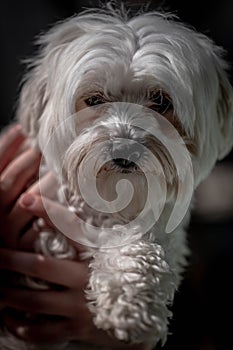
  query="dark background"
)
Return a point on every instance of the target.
[{"x": 203, "y": 305}]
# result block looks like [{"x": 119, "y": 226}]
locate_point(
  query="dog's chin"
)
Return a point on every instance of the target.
[
  {"x": 121, "y": 195},
  {"x": 127, "y": 188}
]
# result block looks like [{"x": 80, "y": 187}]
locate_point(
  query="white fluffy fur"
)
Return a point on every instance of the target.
[{"x": 131, "y": 287}]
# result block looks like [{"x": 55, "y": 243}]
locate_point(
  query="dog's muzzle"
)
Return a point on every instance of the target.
[{"x": 126, "y": 153}]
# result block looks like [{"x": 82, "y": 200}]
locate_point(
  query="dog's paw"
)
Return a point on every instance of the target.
[{"x": 129, "y": 291}]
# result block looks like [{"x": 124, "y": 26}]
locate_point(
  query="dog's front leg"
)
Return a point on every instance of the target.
[{"x": 129, "y": 291}]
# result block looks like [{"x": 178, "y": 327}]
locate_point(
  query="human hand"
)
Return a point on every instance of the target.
[
  {"x": 67, "y": 315},
  {"x": 65, "y": 307},
  {"x": 19, "y": 167}
]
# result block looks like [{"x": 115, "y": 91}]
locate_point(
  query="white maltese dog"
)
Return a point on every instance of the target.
[{"x": 130, "y": 115}]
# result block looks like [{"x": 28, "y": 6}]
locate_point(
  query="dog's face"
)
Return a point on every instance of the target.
[{"x": 114, "y": 77}]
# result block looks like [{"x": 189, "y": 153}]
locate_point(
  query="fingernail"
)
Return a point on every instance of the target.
[
  {"x": 21, "y": 331},
  {"x": 27, "y": 200},
  {"x": 17, "y": 129}
]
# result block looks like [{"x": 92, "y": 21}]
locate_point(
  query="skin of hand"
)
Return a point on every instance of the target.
[
  {"x": 16, "y": 171},
  {"x": 67, "y": 316}
]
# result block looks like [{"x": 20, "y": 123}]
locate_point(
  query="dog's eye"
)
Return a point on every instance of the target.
[
  {"x": 94, "y": 100},
  {"x": 161, "y": 103}
]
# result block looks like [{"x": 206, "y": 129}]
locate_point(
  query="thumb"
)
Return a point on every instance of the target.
[{"x": 55, "y": 215}]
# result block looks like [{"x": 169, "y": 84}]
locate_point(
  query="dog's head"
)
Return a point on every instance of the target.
[{"x": 147, "y": 70}]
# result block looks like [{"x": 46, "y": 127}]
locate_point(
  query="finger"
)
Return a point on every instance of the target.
[
  {"x": 44, "y": 331},
  {"x": 68, "y": 273},
  {"x": 41, "y": 207},
  {"x": 56, "y": 216},
  {"x": 23, "y": 147},
  {"x": 26, "y": 242},
  {"x": 14, "y": 225},
  {"x": 16, "y": 176},
  {"x": 61, "y": 330},
  {"x": 50, "y": 302},
  {"x": 9, "y": 144},
  {"x": 46, "y": 186},
  {"x": 19, "y": 220}
]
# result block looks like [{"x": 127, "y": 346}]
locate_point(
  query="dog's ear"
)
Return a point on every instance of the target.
[
  {"x": 224, "y": 115},
  {"x": 32, "y": 101},
  {"x": 36, "y": 86}
]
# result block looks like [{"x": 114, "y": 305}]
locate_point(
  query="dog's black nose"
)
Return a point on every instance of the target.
[
  {"x": 123, "y": 163},
  {"x": 126, "y": 153}
]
